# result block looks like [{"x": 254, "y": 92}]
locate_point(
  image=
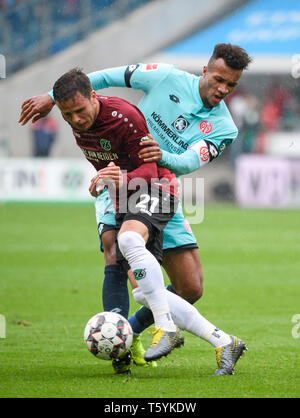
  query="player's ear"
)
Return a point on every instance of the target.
[
  {"x": 93, "y": 94},
  {"x": 204, "y": 71}
]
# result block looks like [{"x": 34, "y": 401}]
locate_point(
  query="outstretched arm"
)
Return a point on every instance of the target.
[
  {"x": 138, "y": 76},
  {"x": 199, "y": 154},
  {"x": 37, "y": 107}
]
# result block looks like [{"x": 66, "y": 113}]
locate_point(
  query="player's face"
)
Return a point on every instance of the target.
[
  {"x": 80, "y": 111},
  {"x": 217, "y": 82}
]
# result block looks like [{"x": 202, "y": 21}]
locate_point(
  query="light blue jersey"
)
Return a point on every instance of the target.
[
  {"x": 175, "y": 113},
  {"x": 188, "y": 134}
]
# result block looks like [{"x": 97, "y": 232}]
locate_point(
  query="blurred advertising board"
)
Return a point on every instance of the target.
[
  {"x": 43, "y": 179},
  {"x": 267, "y": 182}
]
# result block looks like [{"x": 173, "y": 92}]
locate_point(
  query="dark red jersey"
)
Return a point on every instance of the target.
[{"x": 115, "y": 136}]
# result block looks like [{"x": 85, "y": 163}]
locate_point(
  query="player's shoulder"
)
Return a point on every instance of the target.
[
  {"x": 154, "y": 67},
  {"x": 155, "y": 71},
  {"x": 223, "y": 117},
  {"x": 120, "y": 109},
  {"x": 169, "y": 69},
  {"x": 116, "y": 103},
  {"x": 147, "y": 76}
]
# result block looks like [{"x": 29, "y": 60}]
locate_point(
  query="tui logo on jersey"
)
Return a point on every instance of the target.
[
  {"x": 180, "y": 124},
  {"x": 105, "y": 144}
]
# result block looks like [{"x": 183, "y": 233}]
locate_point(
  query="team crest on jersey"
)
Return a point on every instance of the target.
[
  {"x": 105, "y": 144},
  {"x": 205, "y": 127},
  {"x": 180, "y": 124}
]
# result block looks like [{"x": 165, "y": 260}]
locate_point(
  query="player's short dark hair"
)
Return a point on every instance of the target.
[
  {"x": 234, "y": 56},
  {"x": 70, "y": 83}
]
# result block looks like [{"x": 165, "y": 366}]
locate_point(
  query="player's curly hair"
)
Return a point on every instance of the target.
[
  {"x": 234, "y": 56},
  {"x": 70, "y": 83}
]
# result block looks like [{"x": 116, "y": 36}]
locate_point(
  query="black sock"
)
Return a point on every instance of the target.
[{"x": 114, "y": 291}]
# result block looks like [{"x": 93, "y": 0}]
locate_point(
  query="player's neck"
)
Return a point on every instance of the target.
[{"x": 97, "y": 109}]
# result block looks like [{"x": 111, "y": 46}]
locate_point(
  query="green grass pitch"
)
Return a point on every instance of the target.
[{"x": 50, "y": 277}]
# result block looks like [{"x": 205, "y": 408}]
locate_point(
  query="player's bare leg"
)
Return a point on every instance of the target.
[
  {"x": 176, "y": 264},
  {"x": 108, "y": 241}
]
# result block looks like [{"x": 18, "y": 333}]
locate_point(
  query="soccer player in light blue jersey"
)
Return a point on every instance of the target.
[{"x": 191, "y": 125}]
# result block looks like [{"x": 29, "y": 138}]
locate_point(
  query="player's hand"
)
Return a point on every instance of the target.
[
  {"x": 35, "y": 108},
  {"x": 97, "y": 186},
  {"x": 150, "y": 151},
  {"x": 111, "y": 174}
]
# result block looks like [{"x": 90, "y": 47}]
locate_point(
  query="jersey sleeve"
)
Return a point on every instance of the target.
[
  {"x": 198, "y": 155},
  {"x": 110, "y": 77},
  {"x": 185, "y": 163},
  {"x": 206, "y": 150},
  {"x": 146, "y": 76},
  {"x": 137, "y": 76}
]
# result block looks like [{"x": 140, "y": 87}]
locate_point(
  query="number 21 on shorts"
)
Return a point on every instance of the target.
[{"x": 143, "y": 204}]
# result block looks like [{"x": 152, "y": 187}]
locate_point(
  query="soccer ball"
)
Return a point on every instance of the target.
[{"x": 108, "y": 335}]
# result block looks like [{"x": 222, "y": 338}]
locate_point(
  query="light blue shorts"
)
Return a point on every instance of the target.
[{"x": 177, "y": 233}]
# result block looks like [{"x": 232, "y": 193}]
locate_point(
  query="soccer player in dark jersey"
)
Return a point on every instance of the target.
[
  {"x": 219, "y": 79},
  {"x": 109, "y": 130}
]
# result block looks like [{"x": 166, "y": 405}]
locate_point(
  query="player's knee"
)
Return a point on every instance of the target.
[{"x": 130, "y": 242}]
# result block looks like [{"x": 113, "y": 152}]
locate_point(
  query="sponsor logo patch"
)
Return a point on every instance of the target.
[
  {"x": 225, "y": 144},
  {"x": 149, "y": 67},
  {"x": 180, "y": 124}
]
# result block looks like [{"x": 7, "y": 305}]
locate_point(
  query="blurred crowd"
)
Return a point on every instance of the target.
[
  {"x": 34, "y": 29},
  {"x": 277, "y": 108}
]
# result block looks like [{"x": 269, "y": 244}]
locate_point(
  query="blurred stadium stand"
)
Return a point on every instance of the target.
[
  {"x": 32, "y": 30},
  {"x": 130, "y": 37}
]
